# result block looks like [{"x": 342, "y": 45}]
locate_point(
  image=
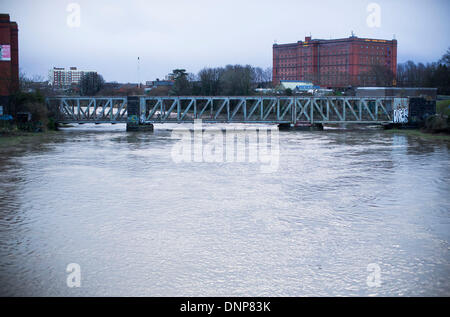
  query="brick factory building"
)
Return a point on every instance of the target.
[
  {"x": 334, "y": 63},
  {"x": 9, "y": 58}
]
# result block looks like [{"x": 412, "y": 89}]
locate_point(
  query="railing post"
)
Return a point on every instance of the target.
[
  {"x": 360, "y": 109},
  {"x": 278, "y": 109},
  {"x": 344, "y": 103},
  {"x": 195, "y": 107},
  {"x": 294, "y": 111},
  {"x": 142, "y": 109},
  {"x": 78, "y": 109},
  {"x": 261, "y": 109},
  {"x": 111, "y": 113},
  {"x": 178, "y": 109},
  {"x": 376, "y": 109},
  {"x": 328, "y": 109}
]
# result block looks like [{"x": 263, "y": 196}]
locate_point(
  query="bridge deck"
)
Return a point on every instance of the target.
[{"x": 226, "y": 109}]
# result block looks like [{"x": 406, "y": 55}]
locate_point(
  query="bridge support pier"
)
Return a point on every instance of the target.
[
  {"x": 139, "y": 127},
  {"x": 300, "y": 127},
  {"x": 133, "y": 116}
]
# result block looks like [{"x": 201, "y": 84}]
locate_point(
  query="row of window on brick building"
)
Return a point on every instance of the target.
[
  {"x": 327, "y": 62},
  {"x": 377, "y": 50}
]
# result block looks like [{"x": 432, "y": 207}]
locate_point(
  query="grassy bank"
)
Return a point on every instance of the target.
[
  {"x": 17, "y": 137},
  {"x": 421, "y": 134},
  {"x": 442, "y": 107}
]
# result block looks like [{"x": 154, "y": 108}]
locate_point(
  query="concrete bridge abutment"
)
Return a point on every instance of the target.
[{"x": 134, "y": 110}]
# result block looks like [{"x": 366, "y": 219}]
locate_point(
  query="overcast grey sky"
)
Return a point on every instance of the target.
[{"x": 192, "y": 34}]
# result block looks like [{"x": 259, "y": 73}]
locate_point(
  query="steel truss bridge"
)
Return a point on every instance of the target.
[{"x": 229, "y": 109}]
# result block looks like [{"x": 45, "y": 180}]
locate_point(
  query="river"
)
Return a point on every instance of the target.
[{"x": 361, "y": 212}]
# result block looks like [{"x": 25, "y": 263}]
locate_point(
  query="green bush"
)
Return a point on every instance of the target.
[
  {"x": 34, "y": 103},
  {"x": 443, "y": 107},
  {"x": 437, "y": 123},
  {"x": 6, "y": 126},
  {"x": 52, "y": 125},
  {"x": 38, "y": 112},
  {"x": 20, "y": 98}
]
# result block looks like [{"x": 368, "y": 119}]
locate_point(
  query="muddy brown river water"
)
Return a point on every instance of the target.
[{"x": 345, "y": 213}]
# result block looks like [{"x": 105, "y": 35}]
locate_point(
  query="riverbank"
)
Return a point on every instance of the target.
[
  {"x": 420, "y": 134},
  {"x": 17, "y": 137}
]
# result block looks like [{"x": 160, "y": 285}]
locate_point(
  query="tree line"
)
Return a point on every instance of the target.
[
  {"x": 231, "y": 80},
  {"x": 436, "y": 74}
]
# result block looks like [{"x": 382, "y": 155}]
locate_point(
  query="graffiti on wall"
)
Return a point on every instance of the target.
[
  {"x": 133, "y": 119},
  {"x": 401, "y": 110}
]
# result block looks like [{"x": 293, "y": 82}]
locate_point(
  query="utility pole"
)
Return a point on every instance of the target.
[{"x": 138, "y": 71}]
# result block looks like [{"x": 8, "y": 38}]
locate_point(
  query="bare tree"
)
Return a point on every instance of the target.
[
  {"x": 91, "y": 83},
  {"x": 268, "y": 72},
  {"x": 210, "y": 80},
  {"x": 446, "y": 58},
  {"x": 382, "y": 76}
]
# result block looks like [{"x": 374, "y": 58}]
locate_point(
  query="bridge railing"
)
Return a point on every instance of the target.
[
  {"x": 227, "y": 109},
  {"x": 268, "y": 109},
  {"x": 88, "y": 109}
]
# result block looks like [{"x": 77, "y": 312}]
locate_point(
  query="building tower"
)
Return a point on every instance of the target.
[{"x": 9, "y": 59}]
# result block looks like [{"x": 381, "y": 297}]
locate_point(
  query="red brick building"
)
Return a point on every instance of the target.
[
  {"x": 334, "y": 63},
  {"x": 9, "y": 57}
]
